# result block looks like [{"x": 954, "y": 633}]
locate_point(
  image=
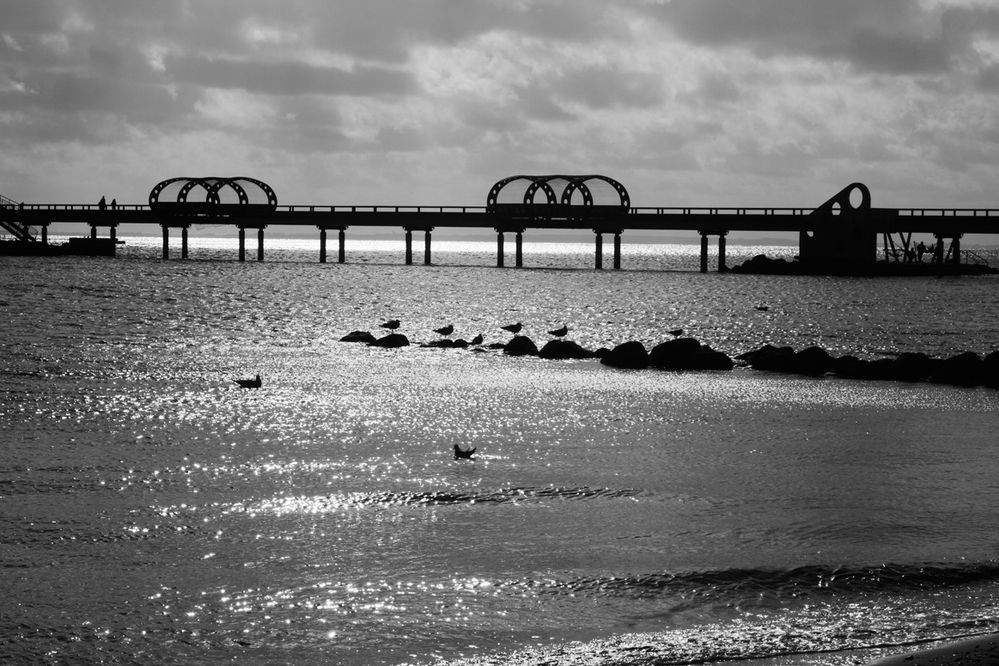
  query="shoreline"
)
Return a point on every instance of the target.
[{"x": 976, "y": 651}]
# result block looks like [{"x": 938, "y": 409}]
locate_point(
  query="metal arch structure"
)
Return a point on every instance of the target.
[
  {"x": 574, "y": 183},
  {"x": 212, "y": 186}
]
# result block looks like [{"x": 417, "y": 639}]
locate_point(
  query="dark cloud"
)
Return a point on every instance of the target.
[{"x": 888, "y": 36}]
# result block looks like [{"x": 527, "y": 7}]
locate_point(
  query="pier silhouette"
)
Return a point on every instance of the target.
[{"x": 841, "y": 233}]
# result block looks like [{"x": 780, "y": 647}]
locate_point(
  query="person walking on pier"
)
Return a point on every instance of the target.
[{"x": 102, "y": 204}]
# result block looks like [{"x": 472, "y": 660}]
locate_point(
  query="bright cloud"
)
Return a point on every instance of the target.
[{"x": 687, "y": 102}]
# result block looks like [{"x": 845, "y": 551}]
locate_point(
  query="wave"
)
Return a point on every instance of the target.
[
  {"x": 805, "y": 580},
  {"x": 501, "y": 496}
]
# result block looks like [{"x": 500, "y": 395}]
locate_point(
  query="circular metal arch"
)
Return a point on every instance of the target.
[
  {"x": 212, "y": 187},
  {"x": 573, "y": 184}
]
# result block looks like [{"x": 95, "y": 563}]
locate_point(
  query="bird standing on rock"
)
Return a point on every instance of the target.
[
  {"x": 513, "y": 328},
  {"x": 560, "y": 332},
  {"x": 477, "y": 340},
  {"x": 391, "y": 324},
  {"x": 445, "y": 330}
]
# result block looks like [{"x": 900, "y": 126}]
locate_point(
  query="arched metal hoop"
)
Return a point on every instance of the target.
[
  {"x": 212, "y": 186},
  {"x": 573, "y": 184},
  {"x": 842, "y": 202}
]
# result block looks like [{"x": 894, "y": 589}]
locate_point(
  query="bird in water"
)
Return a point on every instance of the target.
[
  {"x": 463, "y": 454},
  {"x": 445, "y": 330},
  {"x": 477, "y": 340},
  {"x": 560, "y": 332},
  {"x": 513, "y": 328},
  {"x": 676, "y": 332},
  {"x": 391, "y": 324},
  {"x": 249, "y": 383}
]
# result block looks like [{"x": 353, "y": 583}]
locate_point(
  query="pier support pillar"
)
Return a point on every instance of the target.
[
  {"x": 426, "y": 247},
  {"x": 617, "y": 250},
  {"x": 721, "y": 253},
  {"x": 166, "y": 242},
  {"x": 938, "y": 250},
  {"x": 704, "y": 252},
  {"x": 322, "y": 246},
  {"x": 242, "y": 244},
  {"x": 45, "y": 234},
  {"x": 519, "y": 247},
  {"x": 955, "y": 248},
  {"x": 260, "y": 244},
  {"x": 409, "y": 247},
  {"x": 342, "y": 254},
  {"x": 499, "y": 249},
  {"x": 599, "y": 253},
  {"x": 93, "y": 231},
  {"x": 183, "y": 242}
]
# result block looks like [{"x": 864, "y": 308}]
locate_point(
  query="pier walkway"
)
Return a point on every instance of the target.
[{"x": 845, "y": 229}]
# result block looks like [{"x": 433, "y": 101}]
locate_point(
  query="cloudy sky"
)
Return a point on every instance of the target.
[{"x": 687, "y": 102}]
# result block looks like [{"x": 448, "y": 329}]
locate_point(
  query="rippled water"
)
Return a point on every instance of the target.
[{"x": 154, "y": 512}]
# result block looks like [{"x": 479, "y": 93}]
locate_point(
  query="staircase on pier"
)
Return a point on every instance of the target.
[{"x": 10, "y": 222}]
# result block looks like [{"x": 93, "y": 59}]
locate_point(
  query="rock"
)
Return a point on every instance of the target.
[
  {"x": 674, "y": 354},
  {"x": 358, "y": 336},
  {"x": 391, "y": 341},
  {"x": 911, "y": 367},
  {"x": 812, "y": 361},
  {"x": 460, "y": 344},
  {"x": 601, "y": 352},
  {"x": 496, "y": 345},
  {"x": 521, "y": 345},
  {"x": 563, "y": 349},
  {"x": 687, "y": 354},
  {"x": 709, "y": 359},
  {"x": 627, "y": 355},
  {"x": 443, "y": 343},
  {"x": 990, "y": 370},
  {"x": 774, "y": 359},
  {"x": 965, "y": 369}
]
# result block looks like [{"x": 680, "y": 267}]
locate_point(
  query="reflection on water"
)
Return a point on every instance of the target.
[{"x": 322, "y": 517}]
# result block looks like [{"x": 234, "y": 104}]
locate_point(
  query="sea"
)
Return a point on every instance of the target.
[{"x": 154, "y": 512}]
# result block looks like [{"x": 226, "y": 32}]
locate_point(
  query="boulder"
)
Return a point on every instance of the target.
[
  {"x": 627, "y": 355},
  {"x": 812, "y": 361},
  {"x": 965, "y": 369},
  {"x": 912, "y": 367},
  {"x": 563, "y": 349},
  {"x": 443, "y": 343},
  {"x": 521, "y": 345},
  {"x": 687, "y": 354},
  {"x": 391, "y": 341},
  {"x": 768, "y": 357},
  {"x": 358, "y": 336},
  {"x": 674, "y": 354},
  {"x": 990, "y": 370},
  {"x": 709, "y": 359}
]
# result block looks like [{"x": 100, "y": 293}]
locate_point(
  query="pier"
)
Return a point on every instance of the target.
[{"x": 843, "y": 232}]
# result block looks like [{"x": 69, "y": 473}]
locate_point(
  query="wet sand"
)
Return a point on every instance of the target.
[{"x": 978, "y": 651}]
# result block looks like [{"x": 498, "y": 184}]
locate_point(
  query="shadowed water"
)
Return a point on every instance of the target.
[{"x": 152, "y": 511}]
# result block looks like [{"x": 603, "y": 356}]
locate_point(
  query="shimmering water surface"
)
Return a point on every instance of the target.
[{"x": 153, "y": 512}]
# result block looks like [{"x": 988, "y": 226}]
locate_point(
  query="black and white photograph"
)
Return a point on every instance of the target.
[{"x": 499, "y": 332}]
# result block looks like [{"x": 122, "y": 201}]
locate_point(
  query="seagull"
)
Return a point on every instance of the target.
[
  {"x": 249, "y": 383},
  {"x": 513, "y": 328},
  {"x": 460, "y": 453},
  {"x": 559, "y": 332},
  {"x": 477, "y": 340},
  {"x": 445, "y": 330},
  {"x": 391, "y": 324},
  {"x": 676, "y": 332}
]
